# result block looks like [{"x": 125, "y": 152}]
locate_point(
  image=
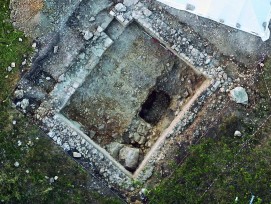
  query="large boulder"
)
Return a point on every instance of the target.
[
  {"x": 239, "y": 95},
  {"x": 114, "y": 148},
  {"x": 129, "y": 157}
]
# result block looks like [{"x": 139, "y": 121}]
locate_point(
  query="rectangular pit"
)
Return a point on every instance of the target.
[{"x": 132, "y": 96}]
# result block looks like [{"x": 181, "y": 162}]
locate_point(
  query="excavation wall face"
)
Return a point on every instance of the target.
[{"x": 131, "y": 95}]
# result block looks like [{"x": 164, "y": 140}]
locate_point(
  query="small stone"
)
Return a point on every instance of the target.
[
  {"x": 137, "y": 137},
  {"x": 190, "y": 7},
  {"x": 216, "y": 85},
  {"x": 91, "y": 134},
  {"x": 51, "y": 180},
  {"x": 99, "y": 29},
  {"x": 20, "y": 40},
  {"x": 14, "y": 122},
  {"x": 92, "y": 19},
  {"x": 61, "y": 78},
  {"x": 48, "y": 78},
  {"x": 207, "y": 61},
  {"x": 13, "y": 64},
  {"x": 112, "y": 13},
  {"x": 142, "y": 140},
  {"x": 82, "y": 55},
  {"x": 147, "y": 12},
  {"x": 34, "y": 45},
  {"x": 55, "y": 178},
  {"x": 76, "y": 155},
  {"x": 222, "y": 89},
  {"x": 101, "y": 127},
  {"x": 19, "y": 143},
  {"x": 148, "y": 144},
  {"x": 24, "y": 62},
  {"x": 24, "y": 103},
  {"x": 88, "y": 35},
  {"x": 9, "y": 69},
  {"x": 16, "y": 164},
  {"x": 120, "y": 7},
  {"x": 261, "y": 64},
  {"x": 143, "y": 193},
  {"x": 195, "y": 52},
  {"x": 27, "y": 171},
  {"x": 186, "y": 94},
  {"x": 30, "y": 143},
  {"x": 55, "y": 49},
  {"x": 225, "y": 76},
  {"x": 74, "y": 133},
  {"x": 237, "y": 133}
]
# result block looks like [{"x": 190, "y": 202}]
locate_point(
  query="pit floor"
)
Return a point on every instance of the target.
[{"x": 134, "y": 93}]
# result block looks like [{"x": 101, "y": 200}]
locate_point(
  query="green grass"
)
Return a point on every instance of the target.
[
  {"x": 43, "y": 160},
  {"x": 237, "y": 172},
  {"x": 11, "y": 50},
  {"x": 39, "y": 159},
  {"x": 221, "y": 169}
]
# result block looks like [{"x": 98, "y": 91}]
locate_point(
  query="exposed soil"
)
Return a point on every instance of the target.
[{"x": 137, "y": 88}]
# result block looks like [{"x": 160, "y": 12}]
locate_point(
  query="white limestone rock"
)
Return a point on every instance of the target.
[
  {"x": 76, "y": 155},
  {"x": 9, "y": 69},
  {"x": 129, "y": 156},
  {"x": 16, "y": 164},
  {"x": 237, "y": 133},
  {"x": 239, "y": 95}
]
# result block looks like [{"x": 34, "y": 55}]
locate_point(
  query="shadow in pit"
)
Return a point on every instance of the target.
[{"x": 155, "y": 107}]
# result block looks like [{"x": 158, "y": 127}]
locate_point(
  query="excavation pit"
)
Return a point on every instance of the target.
[
  {"x": 132, "y": 95},
  {"x": 154, "y": 107}
]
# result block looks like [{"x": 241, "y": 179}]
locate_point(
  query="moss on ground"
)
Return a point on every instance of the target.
[{"x": 20, "y": 141}]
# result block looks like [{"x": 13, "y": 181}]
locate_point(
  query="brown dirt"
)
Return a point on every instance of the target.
[{"x": 26, "y": 10}]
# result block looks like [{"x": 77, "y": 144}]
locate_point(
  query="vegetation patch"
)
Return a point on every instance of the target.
[
  {"x": 224, "y": 168},
  {"x": 32, "y": 168}
]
